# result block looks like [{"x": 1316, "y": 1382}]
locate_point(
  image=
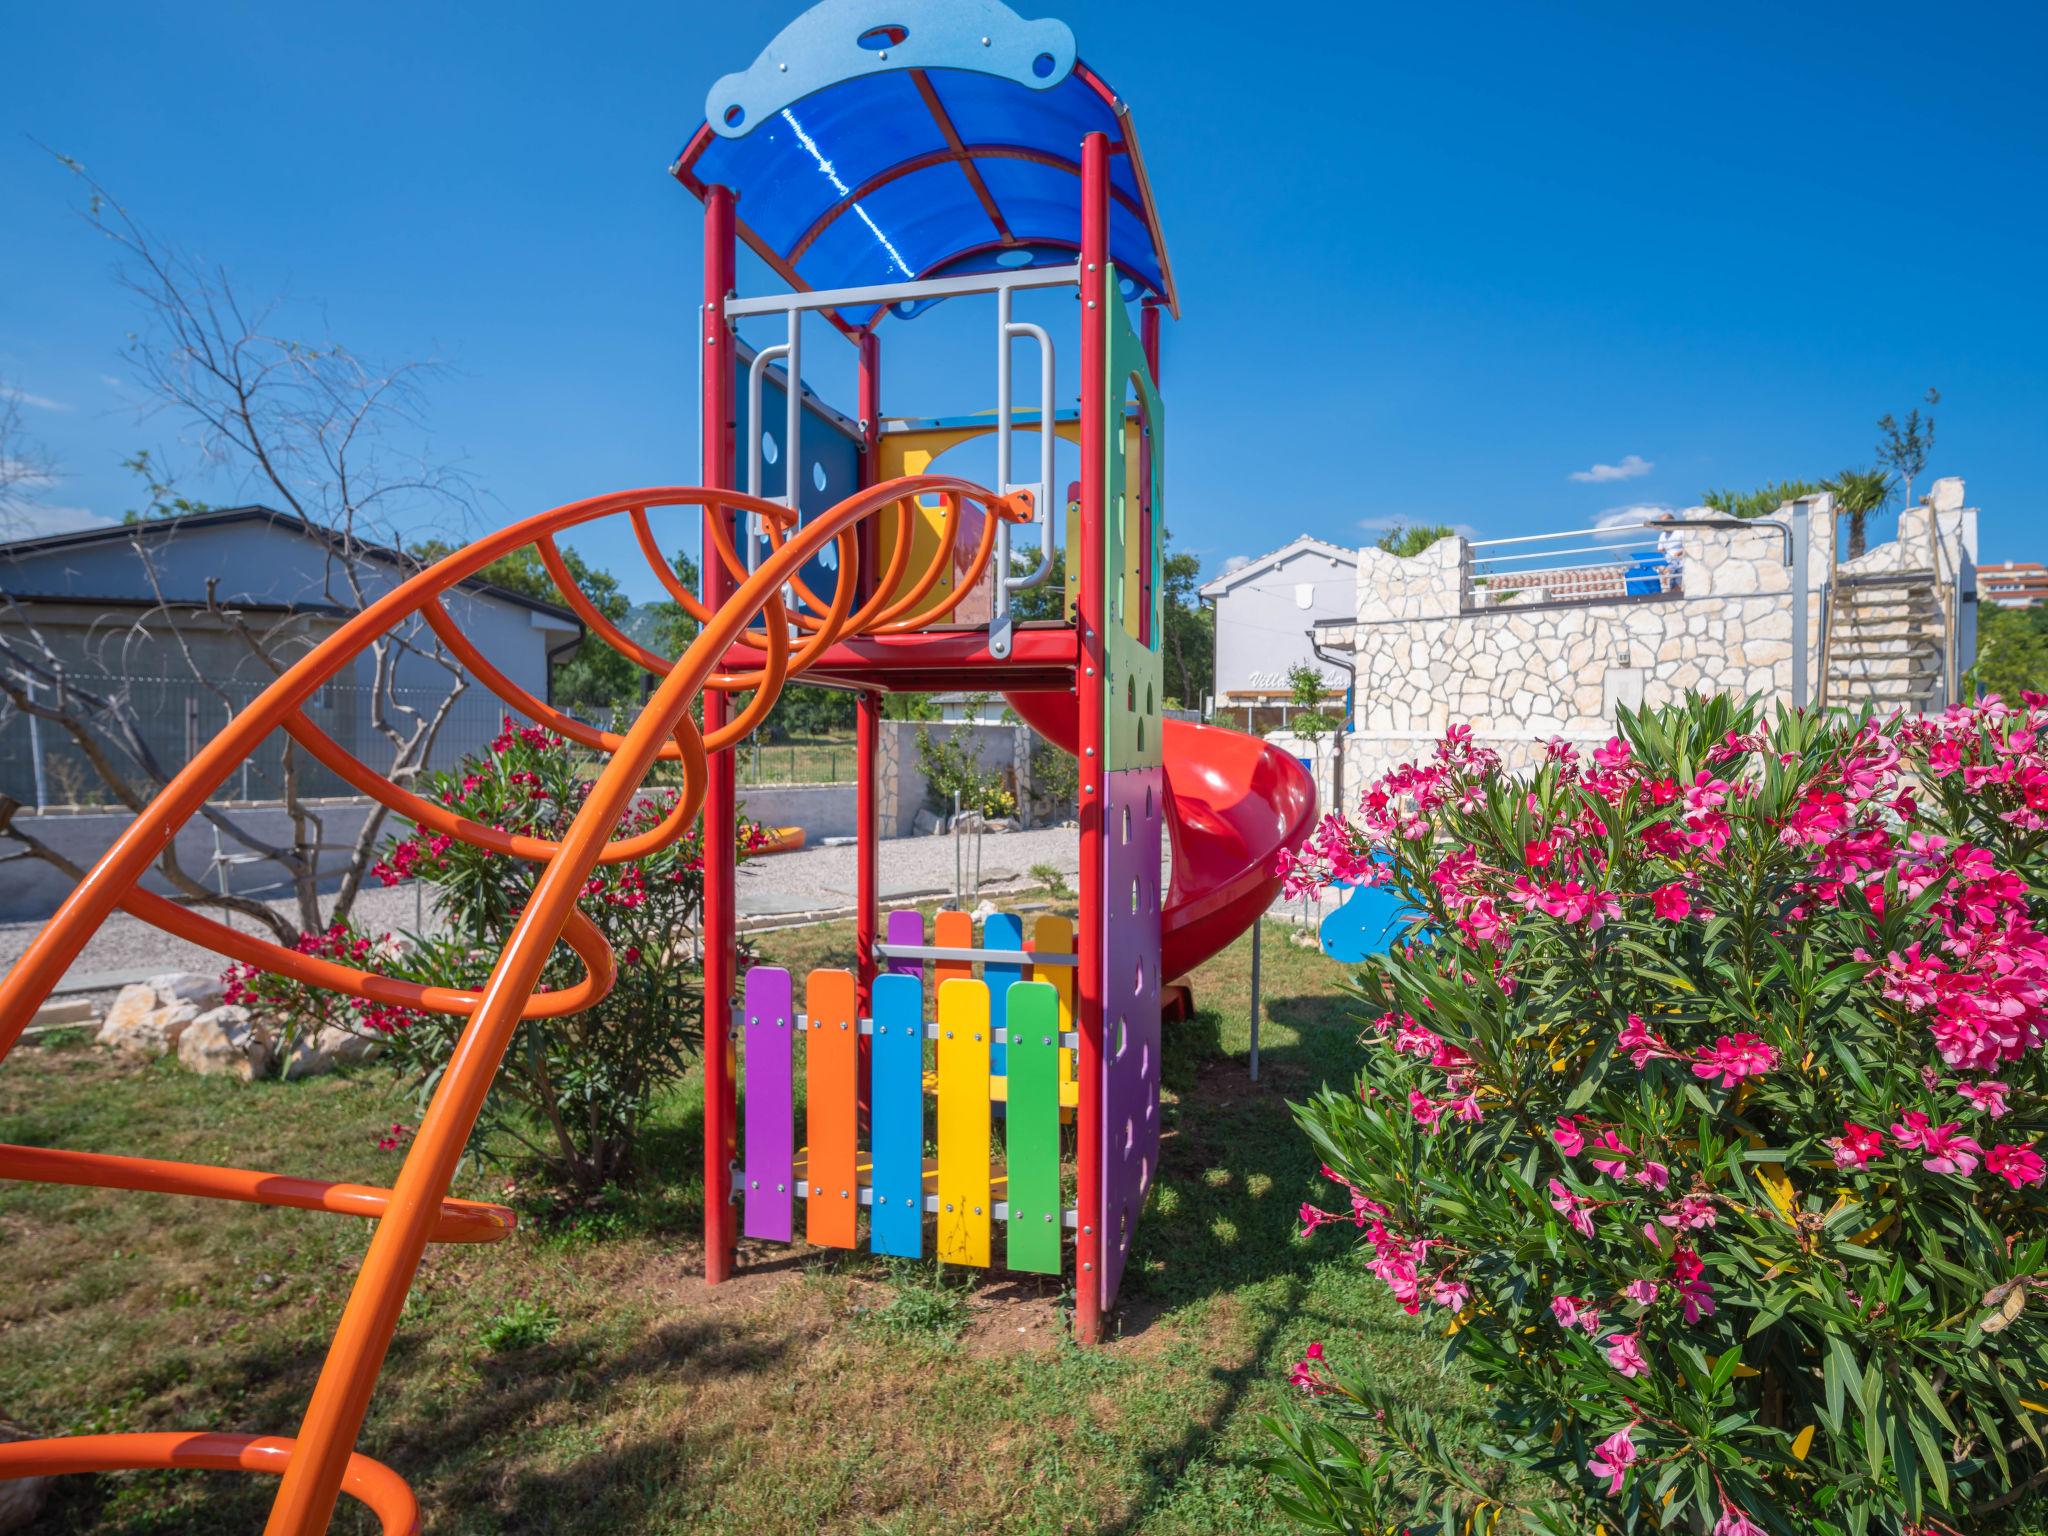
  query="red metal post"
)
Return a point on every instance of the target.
[
  {"x": 721, "y": 958},
  {"x": 867, "y": 717},
  {"x": 1088, "y": 683}
]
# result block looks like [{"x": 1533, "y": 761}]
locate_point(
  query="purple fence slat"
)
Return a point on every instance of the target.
[
  {"x": 1133, "y": 802},
  {"x": 904, "y": 928},
  {"x": 770, "y": 1189}
]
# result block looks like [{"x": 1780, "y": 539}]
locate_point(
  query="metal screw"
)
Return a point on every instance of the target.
[
  {"x": 1088, "y": 1229},
  {"x": 842, "y": 1194},
  {"x": 881, "y": 1199},
  {"x": 842, "y": 1023},
  {"x": 1091, "y": 302},
  {"x": 977, "y": 1034},
  {"x": 1048, "y": 1215},
  {"x": 783, "y": 67},
  {"x": 780, "y": 1190},
  {"x": 984, "y": 42},
  {"x": 949, "y": 1034},
  {"x": 949, "y": 1206},
  {"x": 977, "y": 1210},
  {"x": 883, "y": 54},
  {"x": 1087, "y": 1266}
]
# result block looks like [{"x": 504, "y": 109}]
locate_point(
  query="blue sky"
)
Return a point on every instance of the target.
[{"x": 1434, "y": 261}]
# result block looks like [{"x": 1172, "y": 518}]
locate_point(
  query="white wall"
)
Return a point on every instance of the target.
[{"x": 1262, "y": 623}]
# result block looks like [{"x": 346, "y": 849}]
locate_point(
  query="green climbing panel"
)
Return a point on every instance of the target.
[{"x": 1133, "y": 677}]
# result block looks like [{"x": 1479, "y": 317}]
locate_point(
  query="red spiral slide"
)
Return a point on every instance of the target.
[{"x": 1232, "y": 803}]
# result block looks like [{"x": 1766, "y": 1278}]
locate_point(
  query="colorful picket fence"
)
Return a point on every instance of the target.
[{"x": 987, "y": 1052}]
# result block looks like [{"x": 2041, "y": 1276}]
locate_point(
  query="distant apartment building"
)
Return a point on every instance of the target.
[{"x": 2013, "y": 583}]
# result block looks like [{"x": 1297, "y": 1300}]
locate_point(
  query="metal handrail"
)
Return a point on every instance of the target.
[{"x": 319, "y": 1463}]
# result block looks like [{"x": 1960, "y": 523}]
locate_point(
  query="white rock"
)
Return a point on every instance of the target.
[
  {"x": 314, "y": 1054},
  {"x": 21, "y": 1498},
  {"x": 224, "y": 1042},
  {"x": 193, "y": 987},
  {"x": 140, "y": 1024}
]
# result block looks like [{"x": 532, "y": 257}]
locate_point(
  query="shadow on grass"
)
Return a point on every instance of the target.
[{"x": 1234, "y": 1170}]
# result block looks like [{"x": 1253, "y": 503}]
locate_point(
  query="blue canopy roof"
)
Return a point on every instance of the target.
[{"x": 880, "y": 143}]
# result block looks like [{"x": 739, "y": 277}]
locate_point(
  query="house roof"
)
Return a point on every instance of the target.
[
  {"x": 880, "y": 142},
  {"x": 290, "y": 522},
  {"x": 1305, "y": 544}
]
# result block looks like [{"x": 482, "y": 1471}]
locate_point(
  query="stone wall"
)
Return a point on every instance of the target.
[{"x": 1521, "y": 670}]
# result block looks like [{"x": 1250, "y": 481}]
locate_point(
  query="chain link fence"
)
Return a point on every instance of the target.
[{"x": 43, "y": 765}]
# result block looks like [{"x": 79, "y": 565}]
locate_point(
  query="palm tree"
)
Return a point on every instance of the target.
[{"x": 1860, "y": 492}]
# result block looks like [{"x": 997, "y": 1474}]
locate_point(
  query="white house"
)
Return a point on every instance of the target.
[{"x": 1264, "y": 612}]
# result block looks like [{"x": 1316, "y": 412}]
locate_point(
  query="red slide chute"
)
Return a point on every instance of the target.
[{"x": 1232, "y": 803}]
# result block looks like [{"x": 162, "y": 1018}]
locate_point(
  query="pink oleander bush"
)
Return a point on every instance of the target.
[
  {"x": 1702, "y": 1114},
  {"x": 575, "y": 1089}
]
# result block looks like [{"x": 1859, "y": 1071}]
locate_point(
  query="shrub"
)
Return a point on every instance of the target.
[
  {"x": 1701, "y": 1113},
  {"x": 953, "y": 766},
  {"x": 520, "y": 1326},
  {"x": 581, "y": 1083}
]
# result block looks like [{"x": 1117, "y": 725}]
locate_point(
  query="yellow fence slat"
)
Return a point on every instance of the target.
[{"x": 966, "y": 1199}]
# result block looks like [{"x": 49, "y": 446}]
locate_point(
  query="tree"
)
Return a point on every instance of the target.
[
  {"x": 321, "y": 432},
  {"x": 1306, "y": 690},
  {"x": 594, "y": 677},
  {"x": 2012, "y": 652},
  {"x": 1860, "y": 492},
  {"x": 24, "y": 465},
  {"x": 1408, "y": 542},
  {"x": 1190, "y": 659},
  {"x": 1904, "y": 446},
  {"x": 1761, "y": 502}
]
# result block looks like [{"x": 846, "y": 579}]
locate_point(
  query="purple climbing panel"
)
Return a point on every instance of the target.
[
  {"x": 1132, "y": 807},
  {"x": 771, "y": 1105}
]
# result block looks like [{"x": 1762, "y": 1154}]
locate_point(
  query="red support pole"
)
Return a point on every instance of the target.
[
  {"x": 721, "y": 956},
  {"x": 1089, "y": 685},
  {"x": 868, "y": 714}
]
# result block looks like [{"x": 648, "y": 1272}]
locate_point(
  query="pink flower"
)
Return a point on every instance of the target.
[
  {"x": 1942, "y": 1148},
  {"x": 1572, "y": 1207},
  {"x": 1313, "y": 1217},
  {"x": 2016, "y": 1165},
  {"x": 1612, "y": 1459},
  {"x": 1640, "y": 1042},
  {"x": 1988, "y": 1096},
  {"x": 1670, "y": 902},
  {"x": 1304, "y": 1374},
  {"x": 1643, "y": 1291},
  {"x": 1450, "y": 1293},
  {"x": 1695, "y": 1295},
  {"x": 1566, "y": 1309},
  {"x": 1424, "y": 1111},
  {"x": 1538, "y": 854},
  {"x": 1654, "y": 1174},
  {"x": 1625, "y": 1354},
  {"x": 1571, "y": 1141},
  {"x": 1607, "y": 1141},
  {"x": 1857, "y": 1145},
  {"x": 1734, "y": 1522},
  {"x": 1692, "y": 1213},
  {"x": 1734, "y": 1057}
]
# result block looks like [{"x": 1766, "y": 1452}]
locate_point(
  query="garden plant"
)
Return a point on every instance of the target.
[
  {"x": 574, "y": 1089},
  {"x": 1701, "y": 1116}
]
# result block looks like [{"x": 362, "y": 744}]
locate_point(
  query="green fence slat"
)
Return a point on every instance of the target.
[{"x": 1032, "y": 1127}]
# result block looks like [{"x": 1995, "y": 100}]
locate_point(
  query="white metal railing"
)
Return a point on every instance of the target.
[
  {"x": 789, "y": 352},
  {"x": 1547, "y": 567}
]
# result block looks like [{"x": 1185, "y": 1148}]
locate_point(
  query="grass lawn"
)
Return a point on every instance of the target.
[{"x": 580, "y": 1377}]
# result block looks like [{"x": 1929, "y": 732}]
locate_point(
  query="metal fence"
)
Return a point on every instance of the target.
[{"x": 42, "y": 764}]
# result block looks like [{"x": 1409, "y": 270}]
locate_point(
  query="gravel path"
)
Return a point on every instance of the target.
[{"x": 784, "y": 886}]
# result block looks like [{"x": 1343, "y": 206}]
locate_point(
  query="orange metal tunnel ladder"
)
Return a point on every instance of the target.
[{"x": 320, "y": 1464}]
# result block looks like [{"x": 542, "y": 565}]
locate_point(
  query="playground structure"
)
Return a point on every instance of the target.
[{"x": 879, "y": 164}]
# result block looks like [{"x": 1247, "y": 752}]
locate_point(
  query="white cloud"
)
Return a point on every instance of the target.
[
  {"x": 23, "y": 397},
  {"x": 1234, "y": 563},
  {"x": 27, "y": 520},
  {"x": 1629, "y": 468}
]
